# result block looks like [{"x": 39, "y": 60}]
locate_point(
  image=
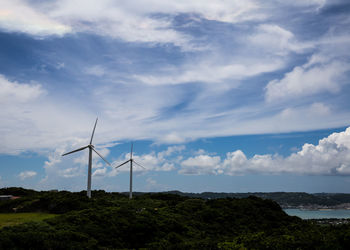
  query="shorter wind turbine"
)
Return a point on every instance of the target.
[
  {"x": 131, "y": 160},
  {"x": 91, "y": 148}
]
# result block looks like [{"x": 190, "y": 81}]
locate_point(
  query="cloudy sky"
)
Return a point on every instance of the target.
[{"x": 219, "y": 95}]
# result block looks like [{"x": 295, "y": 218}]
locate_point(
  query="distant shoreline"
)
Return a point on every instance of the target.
[
  {"x": 320, "y": 214},
  {"x": 287, "y": 200}
]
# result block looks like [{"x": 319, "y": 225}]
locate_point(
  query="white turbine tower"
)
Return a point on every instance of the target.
[
  {"x": 131, "y": 160},
  {"x": 91, "y": 148}
]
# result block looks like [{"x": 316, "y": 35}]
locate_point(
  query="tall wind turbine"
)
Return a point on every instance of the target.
[
  {"x": 131, "y": 160},
  {"x": 91, "y": 148}
]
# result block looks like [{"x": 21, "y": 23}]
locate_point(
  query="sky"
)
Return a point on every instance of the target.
[{"x": 219, "y": 95}]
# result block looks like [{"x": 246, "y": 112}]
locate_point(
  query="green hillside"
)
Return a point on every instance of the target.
[
  {"x": 11, "y": 219},
  {"x": 283, "y": 198},
  {"x": 162, "y": 221}
]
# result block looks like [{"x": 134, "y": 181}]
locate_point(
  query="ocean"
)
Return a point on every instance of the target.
[{"x": 320, "y": 214}]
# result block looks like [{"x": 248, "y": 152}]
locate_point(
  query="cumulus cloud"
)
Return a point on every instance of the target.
[
  {"x": 69, "y": 172},
  {"x": 161, "y": 161},
  {"x": 170, "y": 151},
  {"x": 201, "y": 164},
  {"x": 27, "y": 174},
  {"x": 100, "y": 172},
  {"x": 331, "y": 156}
]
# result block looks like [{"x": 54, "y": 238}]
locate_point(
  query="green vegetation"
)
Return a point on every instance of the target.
[
  {"x": 11, "y": 219},
  {"x": 293, "y": 199},
  {"x": 162, "y": 221}
]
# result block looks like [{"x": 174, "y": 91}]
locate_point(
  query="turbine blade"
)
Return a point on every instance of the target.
[
  {"x": 122, "y": 164},
  {"x": 93, "y": 131},
  {"x": 79, "y": 149},
  {"x": 101, "y": 156},
  {"x": 132, "y": 145},
  {"x": 139, "y": 164}
]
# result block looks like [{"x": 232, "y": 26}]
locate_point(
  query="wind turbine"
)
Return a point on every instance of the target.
[
  {"x": 91, "y": 148},
  {"x": 131, "y": 160}
]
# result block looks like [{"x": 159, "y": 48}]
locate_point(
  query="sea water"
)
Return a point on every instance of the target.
[{"x": 320, "y": 214}]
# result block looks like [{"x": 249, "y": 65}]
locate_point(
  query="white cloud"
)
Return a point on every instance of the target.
[
  {"x": 331, "y": 156},
  {"x": 210, "y": 72},
  {"x": 316, "y": 110},
  {"x": 171, "y": 150},
  {"x": 225, "y": 11},
  {"x": 128, "y": 20},
  {"x": 275, "y": 39},
  {"x": 96, "y": 70},
  {"x": 167, "y": 166},
  {"x": 82, "y": 157},
  {"x": 18, "y": 92},
  {"x": 200, "y": 152},
  {"x": 326, "y": 71},
  {"x": 171, "y": 138},
  {"x": 320, "y": 109},
  {"x": 161, "y": 161},
  {"x": 153, "y": 186},
  {"x": 100, "y": 172},
  {"x": 317, "y": 3},
  {"x": 221, "y": 106},
  {"x": 27, "y": 174},
  {"x": 201, "y": 164},
  {"x": 154, "y": 162},
  {"x": 69, "y": 172},
  {"x": 289, "y": 119},
  {"x": 18, "y": 16},
  {"x": 148, "y": 21},
  {"x": 308, "y": 81},
  {"x": 236, "y": 161},
  {"x": 24, "y": 112},
  {"x": 60, "y": 65},
  {"x": 59, "y": 166},
  {"x": 151, "y": 182}
]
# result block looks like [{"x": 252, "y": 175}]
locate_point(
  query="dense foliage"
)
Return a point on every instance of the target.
[
  {"x": 282, "y": 198},
  {"x": 163, "y": 221}
]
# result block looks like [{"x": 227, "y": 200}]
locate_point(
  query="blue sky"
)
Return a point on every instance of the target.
[{"x": 230, "y": 96}]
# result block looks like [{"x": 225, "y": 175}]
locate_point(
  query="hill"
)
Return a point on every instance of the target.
[
  {"x": 284, "y": 199},
  {"x": 162, "y": 221}
]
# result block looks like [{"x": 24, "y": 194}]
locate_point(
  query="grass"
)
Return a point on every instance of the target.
[{"x": 13, "y": 219}]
